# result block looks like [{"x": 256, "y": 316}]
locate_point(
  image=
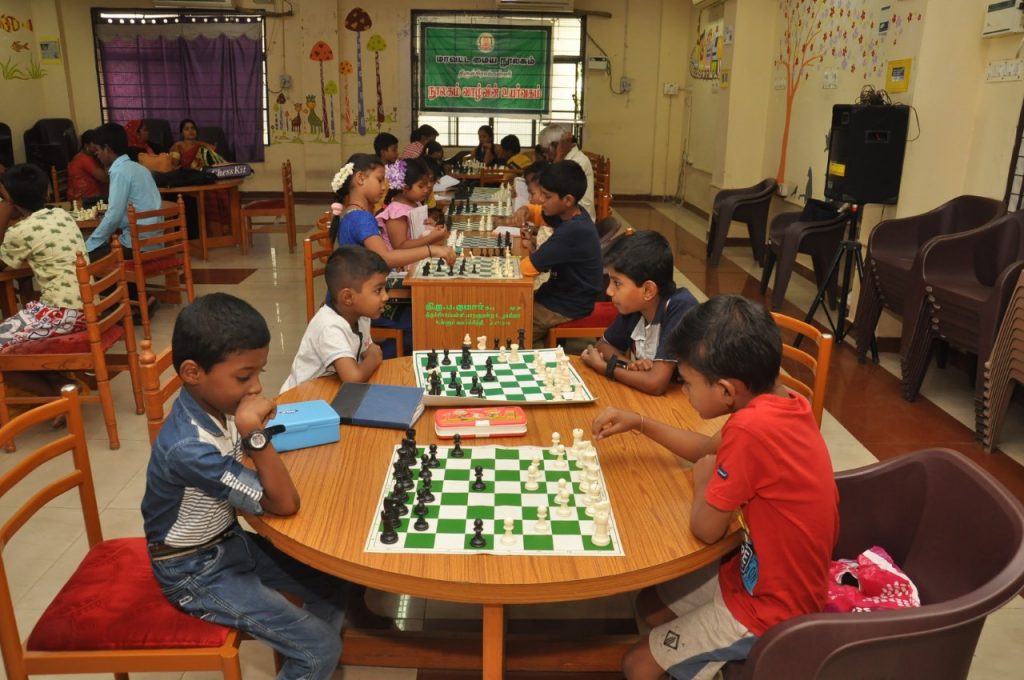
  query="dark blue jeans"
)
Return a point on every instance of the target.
[{"x": 238, "y": 583}]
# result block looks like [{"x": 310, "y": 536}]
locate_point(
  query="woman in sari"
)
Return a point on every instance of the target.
[
  {"x": 138, "y": 136},
  {"x": 189, "y": 152}
]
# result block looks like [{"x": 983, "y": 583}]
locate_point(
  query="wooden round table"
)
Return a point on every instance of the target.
[
  {"x": 200, "y": 192},
  {"x": 650, "y": 489}
]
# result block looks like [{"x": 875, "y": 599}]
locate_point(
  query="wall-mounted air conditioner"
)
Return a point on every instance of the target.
[
  {"x": 534, "y": 5},
  {"x": 1003, "y": 18}
]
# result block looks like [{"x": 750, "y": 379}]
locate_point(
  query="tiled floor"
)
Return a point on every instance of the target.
[{"x": 866, "y": 420}]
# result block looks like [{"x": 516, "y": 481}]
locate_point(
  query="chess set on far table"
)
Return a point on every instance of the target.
[
  {"x": 78, "y": 213},
  {"x": 471, "y": 266},
  {"x": 502, "y": 500}
]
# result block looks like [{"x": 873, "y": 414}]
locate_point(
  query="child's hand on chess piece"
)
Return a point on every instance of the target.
[
  {"x": 527, "y": 239},
  {"x": 445, "y": 252},
  {"x": 614, "y": 421},
  {"x": 640, "y": 365},
  {"x": 520, "y": 217},
  {"x": 593, "y": 358},
  {"x": 436, "y": 235}
]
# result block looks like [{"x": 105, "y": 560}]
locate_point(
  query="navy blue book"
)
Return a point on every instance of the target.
[{"x": 390, "y": 406}]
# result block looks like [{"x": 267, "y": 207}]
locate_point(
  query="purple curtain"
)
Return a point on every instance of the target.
[{"x": 216, "y": 81}]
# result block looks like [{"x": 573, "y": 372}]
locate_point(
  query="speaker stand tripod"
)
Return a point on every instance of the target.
[{"x": 849, "y": 251}]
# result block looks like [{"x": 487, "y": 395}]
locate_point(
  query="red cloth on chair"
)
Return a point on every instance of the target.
[
  {"x": 157, "y": 265},
  {"x": 602, "y": 316},
  {"x": 112, "y": 601},
  {"x": 71, "y": 343}
]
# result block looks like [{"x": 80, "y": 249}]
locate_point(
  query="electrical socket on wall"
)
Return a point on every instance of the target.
[
  {"x": 670, "y": 89},
  {"x": 625, "y": 84},
  {"x": 830, "y": 79},
  {"x": 1004, "y": 71},
  {"x": 285, "y": 81}
]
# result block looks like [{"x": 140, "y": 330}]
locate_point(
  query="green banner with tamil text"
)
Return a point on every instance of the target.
[{"x": 485, "y": 69}]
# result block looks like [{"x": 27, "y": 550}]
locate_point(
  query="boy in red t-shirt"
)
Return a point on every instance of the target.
[{"x": 768, "y": 462}]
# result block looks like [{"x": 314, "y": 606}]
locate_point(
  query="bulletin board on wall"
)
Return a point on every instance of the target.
[{"x": 705, "y": 64}]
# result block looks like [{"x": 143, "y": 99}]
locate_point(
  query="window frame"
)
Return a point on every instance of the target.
[
  {"x": 1014, "y": 197},
  {"x": 451, "y": 129}
]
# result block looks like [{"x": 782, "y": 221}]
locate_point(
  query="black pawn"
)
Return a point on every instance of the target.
[
  {"x": 489, "y": 375},
  {"x": 458, "y": 390},
  {"x": 389, "y": 535},
  {"x": 462, "y": 267},
  {"x": 522, "y": 338},
  {"x": 425, "y": 494},
  {"x": 497, "y": 346},
  {"x": 451, "y": 269},
  {"x": 433, "y": 456},
  {"x": 454, "y": 380},
  {"x": 474, "y": 268},
  {"x": 426, "y": 268},
  {"x": 456, "y": 450},
  {"x": 508, "y": 343},
  {"x": 476, "y": 382},
  {"x": 421, "y": 523},
  {"x": 447, "y": 360},
  {"x": 479, "y": 484},
  {"x": 467, "y": 360},
  {"x": 398, "y": 493},
  {"x": 478, "y": 540}
]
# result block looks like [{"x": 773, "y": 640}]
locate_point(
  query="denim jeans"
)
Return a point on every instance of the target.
[{"x": 238, "y": 583}]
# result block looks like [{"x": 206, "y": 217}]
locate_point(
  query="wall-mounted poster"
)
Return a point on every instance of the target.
[
  {"x": 897, "y": 75},
  {"x": 486, "y": 69},
  {"x": 49, "y": 50}
]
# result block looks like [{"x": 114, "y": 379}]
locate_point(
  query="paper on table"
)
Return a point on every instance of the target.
[
  {"x": 416, "y": 217},
  {"x": 445, "y": 183},
  {"x": 509, "y": 229},
  {"x": 522, "y": 193}
]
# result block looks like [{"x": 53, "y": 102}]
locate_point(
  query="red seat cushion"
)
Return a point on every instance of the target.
[
  {"x": 112, "y": 601},
  {"x": 157, "y": 265},
  {"x": 70, "y": 343},
  {"x": 602, "y": 316},
  {"x": 265, "y": 204}
]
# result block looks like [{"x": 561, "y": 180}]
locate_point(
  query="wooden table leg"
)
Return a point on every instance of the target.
[
  {"x": 236, "y": 216},
  {"x": 494, "y": 642},
  {"x": 204, "y": 250}
]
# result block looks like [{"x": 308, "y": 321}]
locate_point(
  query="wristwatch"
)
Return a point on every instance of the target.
[
  {"x": 256, "y": 440},
  {"x": 613, "y": 363}
]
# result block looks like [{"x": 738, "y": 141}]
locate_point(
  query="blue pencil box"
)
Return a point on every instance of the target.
[{"x": 306, "y": 423}]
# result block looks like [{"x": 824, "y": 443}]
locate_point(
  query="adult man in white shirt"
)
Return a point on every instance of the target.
[{"x": 558, "y": 145}]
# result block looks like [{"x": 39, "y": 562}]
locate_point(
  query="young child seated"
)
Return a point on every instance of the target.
[
  {"x": 572, "y": 254},
  {"x": 634, "y": 349},
  {"x": 385, "y": 145},
  {"x": 411, "y": 182},
  {"x": 205, "y": 563},
  {"x": 510, "y": 153},
  {"x": 769, "y": 463},
  {"x": 46, "y": 240},
  {"x": 337, "y": 339}
]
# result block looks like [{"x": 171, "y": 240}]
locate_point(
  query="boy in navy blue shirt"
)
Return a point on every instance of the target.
[
  {"x": 572, "y": 254},
  {"x": 633, "y": 350}
]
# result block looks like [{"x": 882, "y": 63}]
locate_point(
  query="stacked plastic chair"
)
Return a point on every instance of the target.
[
  {"x": 749, "y": 205},
  {"x": 1003, "y": 369}
]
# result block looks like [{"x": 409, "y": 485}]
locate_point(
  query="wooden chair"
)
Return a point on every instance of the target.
[
  {"x": 110, "y": 616},
  {"x": 492, "y": 177},
  {"x": 272, "y": 207},
  {"x": 316, "y": 248},
  {"x": 817, "y": 364},
  {"x": 591, "y": 326},
  {"x": 108, "y": 320},
  {"x": 602, "y": 206},
  {"x": 154, "y": 395},
  {"x": 162, "y": 250},
  {"x": 59, "y": 181}
]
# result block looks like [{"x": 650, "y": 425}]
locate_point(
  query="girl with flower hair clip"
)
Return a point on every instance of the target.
[{"x": 410, "y": 181}]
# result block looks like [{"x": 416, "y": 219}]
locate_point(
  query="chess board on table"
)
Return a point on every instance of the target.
[
  {"x": 517, "y": 382},
  {"x": 456, "y": 505},
  {"x": 486, "y": 268}
]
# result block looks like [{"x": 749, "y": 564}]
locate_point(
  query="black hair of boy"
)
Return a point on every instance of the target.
[
  {"x": 422, "y": 132},
  {"x": 215, "y": 326},
  {"x": 434, "y": 147},
  {"x": 113, "y": 136},
  {"x": 532, "y": 171},
  {"x": 27, "y": 185},
  {"x": 510, "y": 143},
  {"x": 730, "y": 336},
  {"x": 383, "y": 141},
  {"x": 88, "y": 137},
  {"x": 350, "y": 267},
  {"x": 644, "y": 256},
  {"x": 564, "y": 178}
]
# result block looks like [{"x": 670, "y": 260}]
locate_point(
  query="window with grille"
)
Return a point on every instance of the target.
[
  {"x": 568, "y": 39},
  {"x": 1015, "y": 182}
]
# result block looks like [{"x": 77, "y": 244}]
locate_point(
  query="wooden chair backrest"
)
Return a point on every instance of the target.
[
  {"x": 316, "y": 248},
  {"x": 491, "y": 176},
  {"x": 288, "y": 187},
  {"x": 155, "y": 395},
  {"x": 166, "y": 238},
  {"x": 72, "y": 441},
  {"x": 105, "y": 295},
  {"x": 816, "y": 364},
  {"x": 55, "y": 180}
]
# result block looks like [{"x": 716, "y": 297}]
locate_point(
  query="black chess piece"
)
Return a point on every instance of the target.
[
  {"x": 421, "y": 513},
  {"x": 389, "y": 535},
  {"x": 451, "y": 269},
  {"x": 440, "y": 263},
  {"x": 474, "y": 268},
  {"x": 478, "y": 474},
  {"x": 508, "y": 343},
  {"x": 449, "y": 222},
  {"x": 497, "y": 345},
  {"x": 425, "y": 473},
  {"x": 425, "y": 492},
  {"x": 478, "y": 540},
  {"x": 410, "y": 434},
  {"x": 467, "y": 360},
  {"x": 454, "y": 380},
  {"x": 476, "y": 381},
  {"x": 447, "y": 360},
  {"x": 431, "y": 359},
  {"x": 522, "y": 338},
  {"x": 456, "y": 450},
  {"x": 489, "y": 375},
  {"x": 426, "y": 268}
]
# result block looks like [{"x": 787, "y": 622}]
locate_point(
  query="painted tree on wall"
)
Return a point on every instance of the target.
[
  {"x": 843, "y": 31},
  {"x": 321, "y": 52},
  {"x": 358, "y": 21}
]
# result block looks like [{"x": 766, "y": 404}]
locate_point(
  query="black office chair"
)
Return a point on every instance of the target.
[
  {"x": 215, "y": 136},
  {"x": 161, "y": 138},
  {"x": 6, "y": 146},
  {"x": 51, "y": 142}
]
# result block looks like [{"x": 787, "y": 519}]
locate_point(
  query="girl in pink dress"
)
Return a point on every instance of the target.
[{"x": 410, "y": 182}]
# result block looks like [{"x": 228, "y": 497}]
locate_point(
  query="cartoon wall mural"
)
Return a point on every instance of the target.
[
  {"x": 20, "y": 61},
  {"x": 377, "y": 45},
  {"x": 345, "y": 69},
  {"x": 358, "y": 21},
  {"x": 707, "y": 53},
  {"x": 320, "y": 53},
  {"x": 845, "y": 35}
]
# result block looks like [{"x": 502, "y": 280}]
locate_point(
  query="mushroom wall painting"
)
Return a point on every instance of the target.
[
  {"x": 358, "y": 21},
  {"x": 321, "y": 52},
  {"x": 377, "y": 45},
  {"x": 345, "y": 70}
]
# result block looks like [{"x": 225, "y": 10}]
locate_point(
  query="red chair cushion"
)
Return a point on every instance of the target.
[
  {"x": 158, "y": 265},
  {"x": 602, "y": 316},
  {"x": 265, "y": 204},
  {"x": 112, "y": 601},
  {"x": 71, "y": 343}
]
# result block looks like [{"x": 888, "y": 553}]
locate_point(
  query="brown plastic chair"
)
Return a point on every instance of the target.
[
  {"x": 316, "y": 248},
  {"x": 108, "y": 320},
  {"x": 1003, "y": 370},
  {"x": 968, "y": 280},
  {"x": 272, "y": 207},
  {"x": 85, "y": 629},
  {"x": 797, "y": 363},
  {"x": 892, "y": 277},
  {"x": 958, "y": 534},
  {"x": 162, "y": 250},
  {"x": 492, "y": 177},
  {"x": 789, "y": 236},
  {"x": 155, "y": 394},
  {"x": 749, "y": 205}
]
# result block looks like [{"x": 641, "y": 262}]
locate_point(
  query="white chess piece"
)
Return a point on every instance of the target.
[
  {"x": 502, "y": 357},
  {"x": 541, "y": 525},
  {"x": 563, "y": 505},
  {"x": 601, "y": 536},
  {"x": 592, "y": 498},
  {"x": 481, "y": 342},
  {"x": 532, "y": 474},
  {"x": 577, "y": 437},
  {"x": 556, "y": 439},
  {"x": 560, "y": 457},
  {"x": 563, "y": 486},
  {"x": 509, "y": 538},
  {"x": 514, "y": 356},
  {"x": 466, "y": 340}
]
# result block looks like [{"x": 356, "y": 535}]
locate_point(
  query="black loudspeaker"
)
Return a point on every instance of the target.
[{"x": 865, "y": 153}]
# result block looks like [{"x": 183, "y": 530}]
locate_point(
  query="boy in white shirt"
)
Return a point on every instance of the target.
[{"x": 337, "y": 339}]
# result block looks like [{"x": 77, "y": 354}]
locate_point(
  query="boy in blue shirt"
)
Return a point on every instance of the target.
[
  {"x": 206, "y": 565},
  {"x": 572, "y": 254},
  {"x": 634, "y": 350}
]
